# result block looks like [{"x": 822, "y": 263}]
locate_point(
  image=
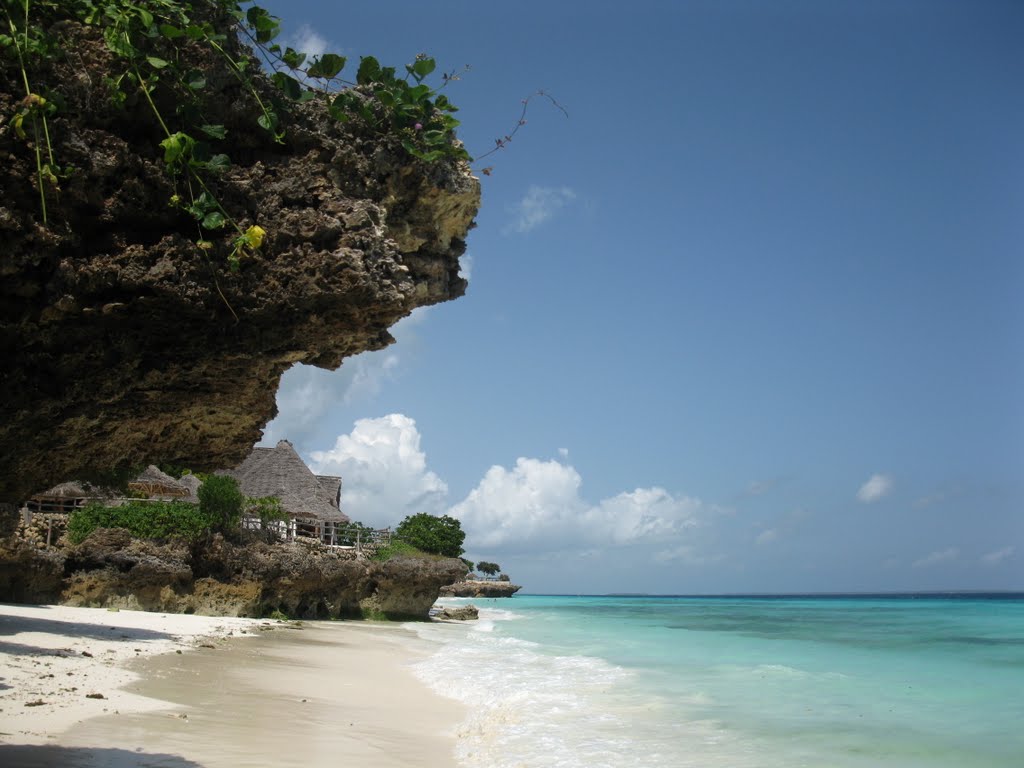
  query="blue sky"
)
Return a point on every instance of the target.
[{"x": 750, "y": 319}]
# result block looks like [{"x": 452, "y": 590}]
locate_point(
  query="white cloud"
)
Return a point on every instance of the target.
[
  {"x": 306, "y": 394},
  {"x": 768, "y": 536},
  {"x": 384, "y": 471},
  {"x": 465, "y": 266},
  {"x": 995, "y": 558},
  {"x": 535, "y": 505},
  {"x": 537, "y": 206},
  {"x": 538, "y": 503},
  {"x": 563, "y": 452},
  {"x": 875, "y": 488},
  {"x": 308, "y": 41},
  {"x": 937, "y": 558}
]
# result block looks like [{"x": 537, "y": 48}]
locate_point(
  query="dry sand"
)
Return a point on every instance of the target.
[{"x": 318, "y": 694}]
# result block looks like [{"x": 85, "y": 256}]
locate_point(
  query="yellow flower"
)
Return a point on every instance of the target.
[{"x": 254, "y": 236}]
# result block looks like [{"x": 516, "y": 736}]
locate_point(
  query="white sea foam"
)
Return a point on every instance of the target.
[{"x": 532, "y": 709}]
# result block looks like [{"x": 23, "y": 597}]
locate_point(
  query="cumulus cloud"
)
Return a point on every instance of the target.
[
  {"x": 537, "y": 206},
  {"x": 937, "y": 558},
  {"x": 875, "y": 488},
  {"x": 308, "y": 41},
  {"x": 996, "y": 557},
  {"x": 384, "y": 471},
  {"x": 538, "y": 503},
  {"x": 535, "y": 504}
]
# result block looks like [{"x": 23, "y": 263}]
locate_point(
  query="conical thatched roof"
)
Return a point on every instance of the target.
[
  {"x": 157, "y": 484},
  {"x": 280, "y": 472},
  {"x": 191, "y": 484},
  {"x": 70, "y": 490}
]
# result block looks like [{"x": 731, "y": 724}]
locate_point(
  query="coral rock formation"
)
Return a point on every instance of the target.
[
  {"x": 111, "y": 569},
  {"x": 480, "y": 589},
  {"x": 123, "y": 343}
]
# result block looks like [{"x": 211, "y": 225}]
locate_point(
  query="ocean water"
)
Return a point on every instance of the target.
[{"x": 745, "y": 682}]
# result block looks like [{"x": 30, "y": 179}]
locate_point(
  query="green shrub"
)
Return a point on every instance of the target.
[
  {"x": 397, "y": 549},
  {"x": 221, "y": 502},
  {"x": 267, "y": 508},
  {"x": 437, "y": 535},
  {"x": 146, "y": 520}
]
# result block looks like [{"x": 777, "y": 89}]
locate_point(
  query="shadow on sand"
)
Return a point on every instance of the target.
[
  {"x": 71, "y": 630},
  {"x": 50, "y": 756}
]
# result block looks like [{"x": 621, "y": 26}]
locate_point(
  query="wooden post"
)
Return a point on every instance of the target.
[{"x": 49, "y": 530}]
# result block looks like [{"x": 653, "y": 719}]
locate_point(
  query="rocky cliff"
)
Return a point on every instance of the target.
[
  {"x": 124, "y": 343},
  {"x": 480, "y": 589},
  {"x": 110, "y": 569}
]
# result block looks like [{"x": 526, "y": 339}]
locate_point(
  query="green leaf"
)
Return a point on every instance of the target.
[
  {"x": 219, "y": 163},
  {"x": 195, "y": 80},
  {"x": 195, "y": 32},
  {"x": 177, "y": 147},
  {"x": 369, "y": 71},
  {"x": 266, "y": 26},
  {"x": 214, "y": 220},
  {"x": 419, "y": 93},
  {"x": 307, "y": 95},
  {"x": 144, "y": 15},
  {"x": 292, "y": 58},
  {"x": 118, "y": 43},
  {"x": 157, "y": 63},
  {"x": 411, "y": 148},
  {"x": 214, "y": 131},
  {"x": 434, "y": 137},
  {"x": 327, "y": 66},
  {"x": 171, "y": 32},
  {"x": 291, "y": 87},
  {"x": 267, "y": 121},
  {"x": 423, "y": 67},
  {"x": 386, "y": 97}
]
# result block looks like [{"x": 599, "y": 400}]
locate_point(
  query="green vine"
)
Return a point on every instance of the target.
[{"x": 150, "y": 37}]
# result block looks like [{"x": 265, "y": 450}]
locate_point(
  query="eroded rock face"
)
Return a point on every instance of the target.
[
  {"x": 480, "y": 589},
  {"x": 110, "y": 569},
  {"x": 122, "y": 343}
]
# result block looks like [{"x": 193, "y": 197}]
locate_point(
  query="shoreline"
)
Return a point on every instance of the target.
[{"x": 235, "y": 694}]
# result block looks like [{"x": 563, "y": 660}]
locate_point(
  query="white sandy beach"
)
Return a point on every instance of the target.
[{"x": 188, "y": 691}]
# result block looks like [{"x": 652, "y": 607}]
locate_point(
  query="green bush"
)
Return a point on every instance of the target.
[
  {"x": 396, "y": 549},
  {"x": 437, "y": 535},
  {"x": 146, "y": 520},
  {"x": 221, "y": 502}
]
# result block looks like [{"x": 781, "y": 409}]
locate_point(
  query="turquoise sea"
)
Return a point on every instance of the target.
[{"x": 887, "y": 681}]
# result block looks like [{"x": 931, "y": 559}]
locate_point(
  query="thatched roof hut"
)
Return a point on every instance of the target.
[
  {"x": 158, "y": 484},
  {"x": 65, "y": 497},
  {"x": 280, "y": 472},
  {"x": 191, "y": 484}
]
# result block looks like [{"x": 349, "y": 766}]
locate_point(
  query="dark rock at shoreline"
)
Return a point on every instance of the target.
[
  {"x": 123, "y": 343},
  {"x": 220, "y": 578},
  {"x": 460, "y": 613},
  {"x": 480, "y": 589}
]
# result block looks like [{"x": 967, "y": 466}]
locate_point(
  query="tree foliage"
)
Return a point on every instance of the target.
[
  {"x": 437, "y": 535},
  {"x": 489, "y": 568},
  {"x": 221, "y": 502}
]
